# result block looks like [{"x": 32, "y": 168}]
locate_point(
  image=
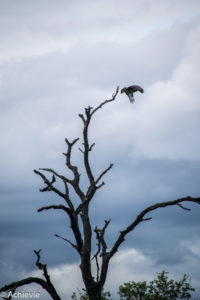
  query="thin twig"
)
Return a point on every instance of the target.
[
  {"x": 66, "y": 240},
  {"x": 181, "y": 206},
  {"x": 147, "y": 219},
  {"x": 106, "y": 101},
  {"x": 103, "y": 173}
]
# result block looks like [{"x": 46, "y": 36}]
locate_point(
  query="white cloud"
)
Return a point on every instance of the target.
[
  {"x": 126, "y": 265},
  {"x": 34, "y": 28},
  {"x": 66, "y": 279},
  {"x": 129, "y": 265},
  {"x": 193, "y": 246},
  {"x": 166, "y": 125}
]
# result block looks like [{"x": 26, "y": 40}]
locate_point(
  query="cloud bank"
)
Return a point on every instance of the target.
[{"x": 56, "y": 59}]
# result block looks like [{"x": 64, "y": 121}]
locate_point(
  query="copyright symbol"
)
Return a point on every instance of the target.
[{"x": 3, "y": 294}]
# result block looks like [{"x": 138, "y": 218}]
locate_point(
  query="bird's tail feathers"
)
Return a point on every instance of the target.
[{"x": 131, "y": 98}]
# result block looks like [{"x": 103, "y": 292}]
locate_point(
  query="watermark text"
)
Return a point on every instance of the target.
[{"x": 21, "y": 295}]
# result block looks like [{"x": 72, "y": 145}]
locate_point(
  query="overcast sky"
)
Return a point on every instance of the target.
[{"x": 57, "y": 57}]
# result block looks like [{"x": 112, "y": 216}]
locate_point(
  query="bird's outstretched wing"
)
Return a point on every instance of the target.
[
  {"x": 129, "y": 91},
  {"x": 135, "y": 88}
]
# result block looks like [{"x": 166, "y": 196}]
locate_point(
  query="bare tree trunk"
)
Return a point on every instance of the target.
[
  {"x": 94, "y": 293},
  {"x": 95, "y": 296}
]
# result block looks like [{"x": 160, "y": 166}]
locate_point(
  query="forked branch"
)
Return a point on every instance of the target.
[
  {"x": 49, "y": 185},
  {"x": 140, "y": 218},
  {"x": 74, "y": 169},
  {"x": 45, "y": 284},
  {"x": 101, "y": 245}
]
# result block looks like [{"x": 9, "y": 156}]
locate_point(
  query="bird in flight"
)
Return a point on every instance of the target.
[{"x": 129, "y": 91}]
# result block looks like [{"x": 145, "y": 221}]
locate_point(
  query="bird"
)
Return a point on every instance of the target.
[{"x": 129, "y": 91}]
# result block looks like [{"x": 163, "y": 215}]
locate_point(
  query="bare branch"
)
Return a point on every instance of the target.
[
  {"x": 100, "y": 185},
  {"x": 101, "y": 244},
  {"x": 74, "y": 222},
  {"x": 53, "y": 179},
  {"x": 62, "y": 207},
  {"x": 82, "y": 117},
  {"x": 106, "y": 101},
  {"x": 181, "y": 206},
  {"x": 74, "y": 169},
  {"x": 81, "y": 150},
  {"x": 140, "y": 218},
  {"x": 45, "y": 284},
  {"x": 89, "y": 111},
  {"x": 49, "y": 186},
  {"x": 90, "y": 193},
  {"x": 69, "y": 211},
  {"x": 72, "y": 143},
  {"x": 25, "y": 281},
  {"x": 69, "y": 202},
  {"x": 43, "y": 267},
  {"x": 86, "y": 151},
  {"x": 103, "y": 173},
  {"x": 65, "y": 179},
  {"x": 38, "y": 264},
  {"x": 90, "y": 148},
  {"x": 147, "y": 219},
  {"x": 10, "y": 293},
  {"x": 97, "y": 252},
  {"x": 66, "y": 240}
]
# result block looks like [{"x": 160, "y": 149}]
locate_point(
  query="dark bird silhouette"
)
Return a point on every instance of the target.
[{"x": 129, "y": 91}]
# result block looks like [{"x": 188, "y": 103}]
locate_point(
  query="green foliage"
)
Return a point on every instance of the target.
[
  {"x": 160, "y": 288},
  {"x": 133, "y": 290},
  {"x": 83, "y": 295}
]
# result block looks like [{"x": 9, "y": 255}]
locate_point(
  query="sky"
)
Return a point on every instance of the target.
[{"x": 58, "y": 57}]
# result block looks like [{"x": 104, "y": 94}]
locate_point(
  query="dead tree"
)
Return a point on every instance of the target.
[{"x": 79, "y": 216}]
